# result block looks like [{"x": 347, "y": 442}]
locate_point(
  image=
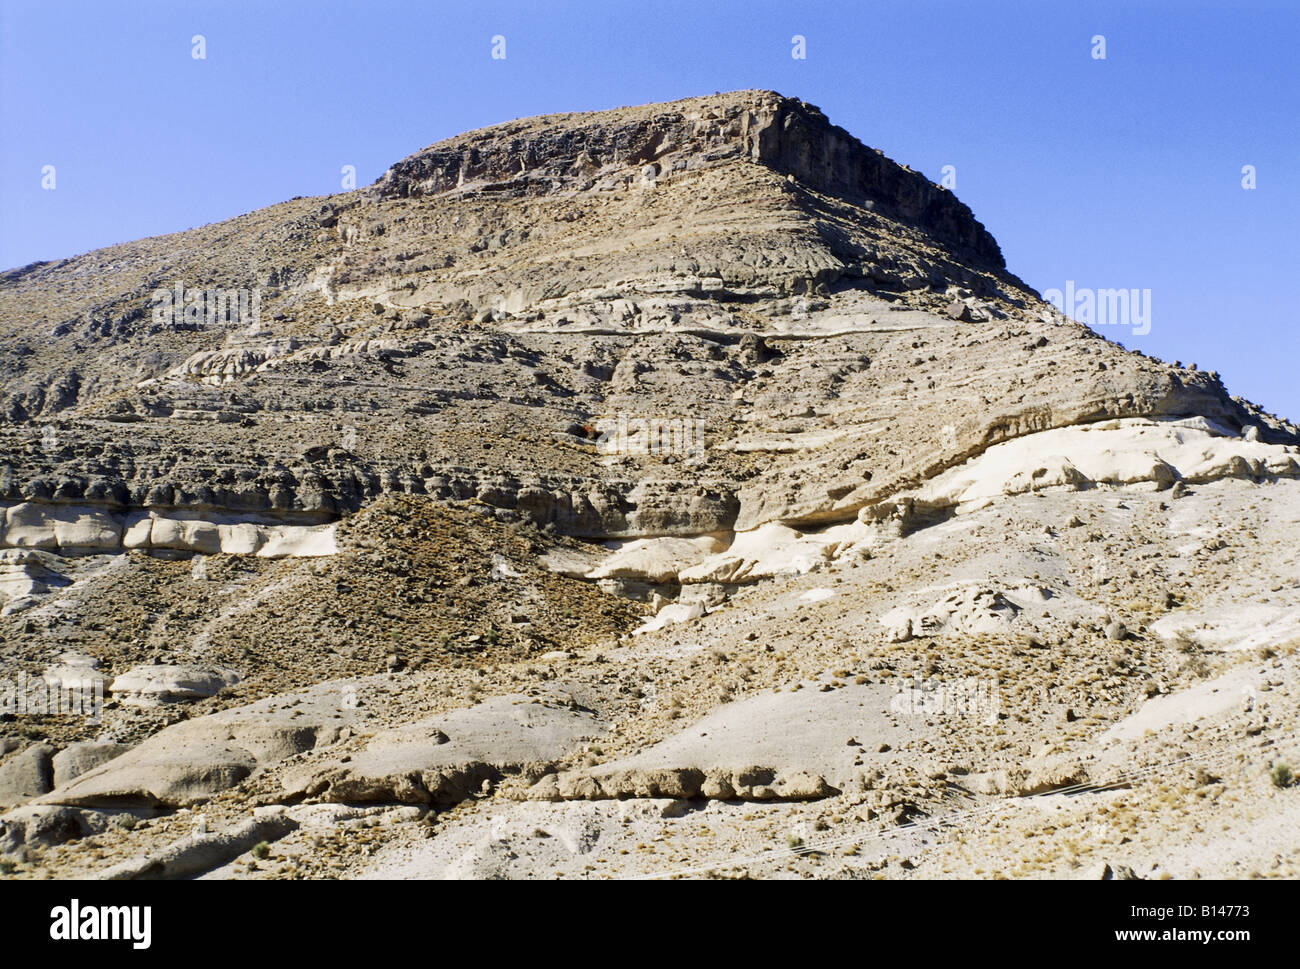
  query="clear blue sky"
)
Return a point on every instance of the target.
[{"x": 1123, "y": 172}]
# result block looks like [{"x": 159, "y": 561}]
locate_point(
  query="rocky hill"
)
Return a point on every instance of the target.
[{"x": 690, "y": 483}]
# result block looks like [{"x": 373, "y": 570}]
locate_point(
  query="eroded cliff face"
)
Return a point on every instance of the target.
[
  {"x": 580, "y": 152},
  {"x": 832, "y": 327}
]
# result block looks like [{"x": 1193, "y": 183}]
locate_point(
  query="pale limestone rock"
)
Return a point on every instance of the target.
[
  {"x": 156, "y": 685},
  {"x": 26, "y": 774},
  {"x": 447, "y": 759},
  {"x": 76, "y": 759},
  {"x": 185, "y": 535}
]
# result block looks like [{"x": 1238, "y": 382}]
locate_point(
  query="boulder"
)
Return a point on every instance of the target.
[
  {"x": 191, "y": 761},
  {"x": 147, "y": 686},
  {"x": 27, "y": 774},
  {"x": 447, "y": 759},
  {"x": 75, "y": 671},
  {"x": 76, "y": 759},
  {"x": 42, "y": 825}
]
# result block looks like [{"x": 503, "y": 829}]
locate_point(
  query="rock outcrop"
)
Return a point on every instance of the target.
[
  {"x": 609, "y": 149},
  {"x": 672, "y": 489}
]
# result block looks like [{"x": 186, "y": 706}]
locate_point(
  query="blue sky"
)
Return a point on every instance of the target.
[{"x": 1117, "y": 173}]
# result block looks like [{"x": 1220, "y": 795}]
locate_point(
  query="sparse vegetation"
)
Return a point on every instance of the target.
[{"x": 781, "y": 695}]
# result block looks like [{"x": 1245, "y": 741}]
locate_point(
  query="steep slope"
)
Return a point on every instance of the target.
[
  {"x": 575, "y": 439},
  {"x": 734, "y": 261}
]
